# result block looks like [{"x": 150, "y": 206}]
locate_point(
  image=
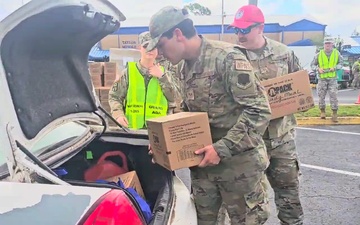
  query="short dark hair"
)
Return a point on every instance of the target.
[{"x": 186, "y": 27}]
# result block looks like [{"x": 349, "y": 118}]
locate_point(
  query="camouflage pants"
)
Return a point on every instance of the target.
[
  {"x": 356, "y": 82},
  {"x": 325, "y": 85},
  {"x": 283, "y": 175},
  {"x": 245, "y": 199}
]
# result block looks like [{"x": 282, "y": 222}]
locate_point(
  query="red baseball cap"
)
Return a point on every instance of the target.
[{"x": 247, "y": 16}]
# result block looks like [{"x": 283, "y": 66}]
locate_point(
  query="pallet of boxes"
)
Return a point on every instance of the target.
[{"x": 103, "y": 75}]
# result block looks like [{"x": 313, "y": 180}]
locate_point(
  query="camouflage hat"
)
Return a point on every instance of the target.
[
  {"x": 329, "y": 40},
  {"x": 144, "y": 38},
  {"x": 161, "y": 22}
]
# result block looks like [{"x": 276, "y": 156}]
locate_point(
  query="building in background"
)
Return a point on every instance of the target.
[
  {"x": 290, "y": 30},
  {"x": 351, "y": 48}
]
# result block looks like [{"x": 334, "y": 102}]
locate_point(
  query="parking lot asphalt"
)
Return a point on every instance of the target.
[
  {"x": 330, "y": 180},
  {"x": 345, "y": 96}
]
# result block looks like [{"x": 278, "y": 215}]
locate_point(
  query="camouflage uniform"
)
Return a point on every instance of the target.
[
  {"x": 221, "y": 82},
  {"x": 274, "y": 60},
  {"x": 175, "y": 80},
  {"x": 356, "y": 70},
  {"x": 328, "y": 84},
  {"x": 118, "y": 91}
]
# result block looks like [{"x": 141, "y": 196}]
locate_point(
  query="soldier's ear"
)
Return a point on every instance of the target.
[{"x": 261, "y": 28}]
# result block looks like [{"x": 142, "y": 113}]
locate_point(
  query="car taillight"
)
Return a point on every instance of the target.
[{"x": 113, "y": 208}]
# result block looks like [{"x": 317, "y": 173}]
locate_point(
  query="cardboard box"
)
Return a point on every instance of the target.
[
  {"x": 289, "y": 94},
  {"x": 131, "y": 180},
  {"x": 109, "y": 79},
  {"x": 174, "y": 138},
  {"x": 104, "y": 93},
  {"x": 124, "y": 55},
  {"x": 96, "y": 80},
  {"x": 96, "y": 68},
  {"x": 110, "y": 68}
]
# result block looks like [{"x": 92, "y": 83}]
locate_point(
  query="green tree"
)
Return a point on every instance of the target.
[
  {"x": 318, "y": 41},
  {"x": 198, "y": 10}
]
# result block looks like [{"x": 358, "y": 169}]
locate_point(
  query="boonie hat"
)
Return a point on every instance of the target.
[{"x": 161, "y": 22}]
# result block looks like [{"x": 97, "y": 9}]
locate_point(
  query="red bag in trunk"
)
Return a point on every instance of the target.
[{"x": 105, "y": 168}]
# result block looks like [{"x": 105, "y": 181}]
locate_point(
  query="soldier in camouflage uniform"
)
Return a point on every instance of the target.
[
  {"x": 271, "y": 59},
  {"x": 148, "y": 68},
  {"x": 216, "y": 78},
  {"x": 172, "y": 69},
  {"x": 327, "y": 77},
  {"x": 356, "y": 71}
]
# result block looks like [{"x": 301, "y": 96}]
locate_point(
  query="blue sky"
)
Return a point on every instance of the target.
[
  {"x": 326, "y": 14},
  {"x": 289, "y": 7}
]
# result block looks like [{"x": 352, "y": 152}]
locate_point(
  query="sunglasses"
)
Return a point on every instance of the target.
[{"x": 245, "y": 30}]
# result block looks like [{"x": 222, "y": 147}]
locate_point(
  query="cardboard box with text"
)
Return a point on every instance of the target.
[
  {"x": 175, "y": 138},
  {"x": 289, "y": 94}
]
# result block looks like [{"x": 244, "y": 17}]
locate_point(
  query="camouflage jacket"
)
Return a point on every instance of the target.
[
  {"x": 356, "y": 67},
  {"x": 167, "y": 65},
  {"x": 274, "y": 60},
  {"x": 118, "y": 91},
  {"x": 222, "y": 83},
  {"x": 175, "y": 80}
]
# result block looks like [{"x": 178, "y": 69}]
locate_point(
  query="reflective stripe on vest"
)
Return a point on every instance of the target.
[
  {"x": 143, "y": 102},
  {"x": 328, "y": 63}
]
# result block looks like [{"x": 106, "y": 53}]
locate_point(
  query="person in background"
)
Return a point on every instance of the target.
[
  {"x": 175, "y": 80},
  {"x": 216, "y": 78},
  {"x": 326, "y": 62},
  {"x": 271, "y": 59},
  {"x": 144, "y": 90},
  {"x": 356, "y": 70}
]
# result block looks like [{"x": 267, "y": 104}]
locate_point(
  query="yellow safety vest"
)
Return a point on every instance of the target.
[
  {"x": 143, "y": 103},
  {"x": 327, "y": 63},
  {"x": 357, "y": 64}
]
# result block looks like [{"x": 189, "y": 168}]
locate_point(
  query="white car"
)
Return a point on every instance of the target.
[{"x": 45, "y": 91}]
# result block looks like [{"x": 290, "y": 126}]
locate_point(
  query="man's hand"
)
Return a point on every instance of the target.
[
  {"x": 123, "y": 121},
  {"x": 151, "y": 153},
  {"x": 332, "y": 69},
  {"x": 156, "y": 71},
  {"x": 321, "y": 70},
  {"x": 211, "y": 158}
]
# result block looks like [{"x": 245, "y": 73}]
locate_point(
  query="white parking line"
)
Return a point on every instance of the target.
[
  {"x": 344, "y": 172},
  {"x": 345, "y": 90},
  {"x": 331, "y": 170},
  {"x": 329, "y": 131}
]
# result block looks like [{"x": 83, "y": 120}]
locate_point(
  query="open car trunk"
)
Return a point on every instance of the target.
[
  {"x": 44, "y": 49},
  {"x": 155, "y": 180}
]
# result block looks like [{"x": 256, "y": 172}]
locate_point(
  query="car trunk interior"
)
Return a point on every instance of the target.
[
  {"x": 46, "y": 57},
  {"x": 155, "y": 180}
]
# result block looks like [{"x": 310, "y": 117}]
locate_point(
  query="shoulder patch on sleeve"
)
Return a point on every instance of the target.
[
  {"x": 115, "y": 86},
  {"x": 243, "y": 81},
  {"x": 242, "y": 65}
]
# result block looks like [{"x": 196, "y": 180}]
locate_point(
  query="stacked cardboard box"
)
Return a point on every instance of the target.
[
  {"x": 96, "y": 70},
  {"x": 103, "y": 75},
  {"x": 104, "y": 97},
  {"x": 110, "y": 73},
  {"x": 104, "y": 100}
]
